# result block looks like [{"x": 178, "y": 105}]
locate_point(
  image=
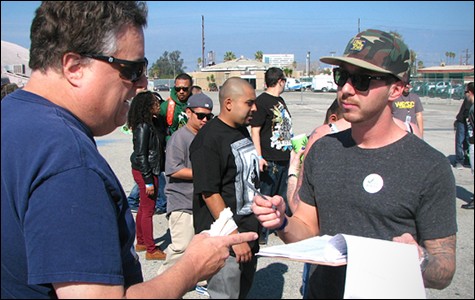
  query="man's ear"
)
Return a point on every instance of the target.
[
  {"x": 332, "y": 118},
  {"x": 395, "y": 91},
  {"x": 188, "y": 112},
  {"x": 73, "y": 68},
  {"x": 228, "y": 104}
]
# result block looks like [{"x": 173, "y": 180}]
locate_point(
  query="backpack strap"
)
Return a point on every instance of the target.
[{"x": 170, "y": 111}]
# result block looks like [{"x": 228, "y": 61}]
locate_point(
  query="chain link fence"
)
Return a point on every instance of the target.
[{"x": 436, "y": 88}]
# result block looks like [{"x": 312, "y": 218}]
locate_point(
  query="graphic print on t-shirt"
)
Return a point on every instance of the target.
[
  {"x": 281, "y": 128},
  {"x": 247, "y": 169}
]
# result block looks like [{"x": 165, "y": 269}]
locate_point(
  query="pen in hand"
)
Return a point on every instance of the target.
[{"x": 252, "y": 187}]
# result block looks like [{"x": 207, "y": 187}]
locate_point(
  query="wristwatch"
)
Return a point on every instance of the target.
[{"x": 292, "y": 174}]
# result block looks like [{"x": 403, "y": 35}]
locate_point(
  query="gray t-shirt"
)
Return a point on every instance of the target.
[
  {"x": 407, "y": 186},
  {"x": 179, "y": 191},
  {"x": 405, "y": 108}
]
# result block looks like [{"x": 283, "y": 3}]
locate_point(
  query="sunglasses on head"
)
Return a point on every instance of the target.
[
  {"x": 201, "y": 116},
  {"x": 359, "y": 81},
  {"x": 181, "y": 88},
  {"x": 129, "y": 70}
]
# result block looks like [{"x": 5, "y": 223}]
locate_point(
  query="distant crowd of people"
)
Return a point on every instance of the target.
[{"x": 68, "y": 228}]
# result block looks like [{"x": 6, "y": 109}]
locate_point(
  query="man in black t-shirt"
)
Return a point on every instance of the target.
[
  {"x": 224, "y": 163},
  {"x": 271, "y": 131}
]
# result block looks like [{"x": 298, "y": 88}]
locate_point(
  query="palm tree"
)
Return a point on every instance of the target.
[
  {"x": 452, "y": 56},
  {"x": 413, "y": 56},
  {"x": 229, "y": 55},
  {"x": 258, "y": 55},
  {"x": 199, "y": 61}
]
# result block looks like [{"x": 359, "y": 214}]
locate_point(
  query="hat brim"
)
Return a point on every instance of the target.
[{"x": 352, "y": 61}]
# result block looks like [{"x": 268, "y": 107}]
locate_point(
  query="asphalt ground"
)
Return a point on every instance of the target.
[{"x": 280, "y": 278}]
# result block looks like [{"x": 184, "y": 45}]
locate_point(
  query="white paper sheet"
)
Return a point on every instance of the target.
[{"x": 378, "y": 269}]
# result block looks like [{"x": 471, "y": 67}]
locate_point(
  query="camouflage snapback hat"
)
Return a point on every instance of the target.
[{"x": 378, "y": 51}]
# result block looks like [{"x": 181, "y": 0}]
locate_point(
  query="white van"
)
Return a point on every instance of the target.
[{"x": 323, "y": 83}]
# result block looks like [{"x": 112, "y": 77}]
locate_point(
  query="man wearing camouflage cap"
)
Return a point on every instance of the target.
[{"x": 365, "y": 181}]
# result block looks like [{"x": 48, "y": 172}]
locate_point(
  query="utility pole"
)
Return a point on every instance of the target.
[
  {"x": 307, "y": 66},
  {"x": 203, "y": 41},
  {"x": 467, "y": 56},
  {"x": 358, "y": 25}
]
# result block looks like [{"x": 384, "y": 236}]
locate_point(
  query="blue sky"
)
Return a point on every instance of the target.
[{"x": 429, "y": 28}]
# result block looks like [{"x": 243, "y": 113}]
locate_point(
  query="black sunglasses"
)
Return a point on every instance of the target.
[
  {"x": 181, "y": 88},
  {"x": 359, "y": 81},
  {"x": 201, "y": 116},
  {"x": 129, "y": 70}
]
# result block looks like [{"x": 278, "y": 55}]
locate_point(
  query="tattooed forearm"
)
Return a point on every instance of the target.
[{"x": 441, "y": 267}]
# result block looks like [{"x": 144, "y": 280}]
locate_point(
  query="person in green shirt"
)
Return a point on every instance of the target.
[{"x": 174, "y": 108}]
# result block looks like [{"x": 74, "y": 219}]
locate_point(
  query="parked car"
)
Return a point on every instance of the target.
[
  {"x": 161, "y": 87},
  {"x": 435, "y": 89},
  {"x": 306, "y": 83},
  {"x": 455, "y": 92},
  {"x": 292, "y": 84}
]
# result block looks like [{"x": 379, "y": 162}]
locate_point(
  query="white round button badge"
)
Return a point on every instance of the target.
[{"x": 373, "y": 183}]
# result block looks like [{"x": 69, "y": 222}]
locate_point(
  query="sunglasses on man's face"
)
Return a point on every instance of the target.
[
  {"x": 201, "y": 116},
  {"x": 181, "y": 88},
  {"x": 128, "y": 69},
  {"x": 359, "y": 81}
]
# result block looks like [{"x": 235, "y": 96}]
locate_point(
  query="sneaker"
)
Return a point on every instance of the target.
[
  {"x": 134, "y": 209},
  {"x": 469, "y": 205},
  {"x": 458, "y": 166},
  {"x": 140, "y": 248},
  {"x": 157, "y": 255},
  {"x": 202, "y": 290}
]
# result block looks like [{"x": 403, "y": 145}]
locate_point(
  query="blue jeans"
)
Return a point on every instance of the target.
[
  {"x": 460, "y": 139},
  {"x": 133, "y": 198},
  {"x": 161, "y": 203},
  {"x": 161, "y": 198},
  {"x": 274, "y": 181}
]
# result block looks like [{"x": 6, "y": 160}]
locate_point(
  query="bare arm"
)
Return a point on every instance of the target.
[
  {"x": 302, "y": 225},
  {"x": 440, "y": 269},
  {"x": 256, "y": 139},
  {"x": 215, "y": 204},
  {"x": 294, "y": 184},
  {"x": 420, "y": 123},
  {"x": 294, "y": 168},
  {"x": 195, "y": 265},
  {"x": 185, "y": 173}
]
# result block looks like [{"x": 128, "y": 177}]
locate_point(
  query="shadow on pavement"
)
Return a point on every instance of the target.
[
  {"x": 463, "y": 194},
  {"x": 268, "y": 282}
]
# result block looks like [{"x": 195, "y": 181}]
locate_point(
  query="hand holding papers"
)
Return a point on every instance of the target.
[{"x": 375, "y": 268}]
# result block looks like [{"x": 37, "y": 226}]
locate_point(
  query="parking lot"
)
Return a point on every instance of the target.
[{"x": 281, "y": 279}]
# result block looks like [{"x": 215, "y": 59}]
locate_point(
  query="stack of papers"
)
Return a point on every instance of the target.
[
  {"x": 375, "y": 269},
  {"x": 324, "y": 250}
]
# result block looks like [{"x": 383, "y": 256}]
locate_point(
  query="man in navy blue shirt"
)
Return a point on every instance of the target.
[{"x": 67, "y": 231}]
